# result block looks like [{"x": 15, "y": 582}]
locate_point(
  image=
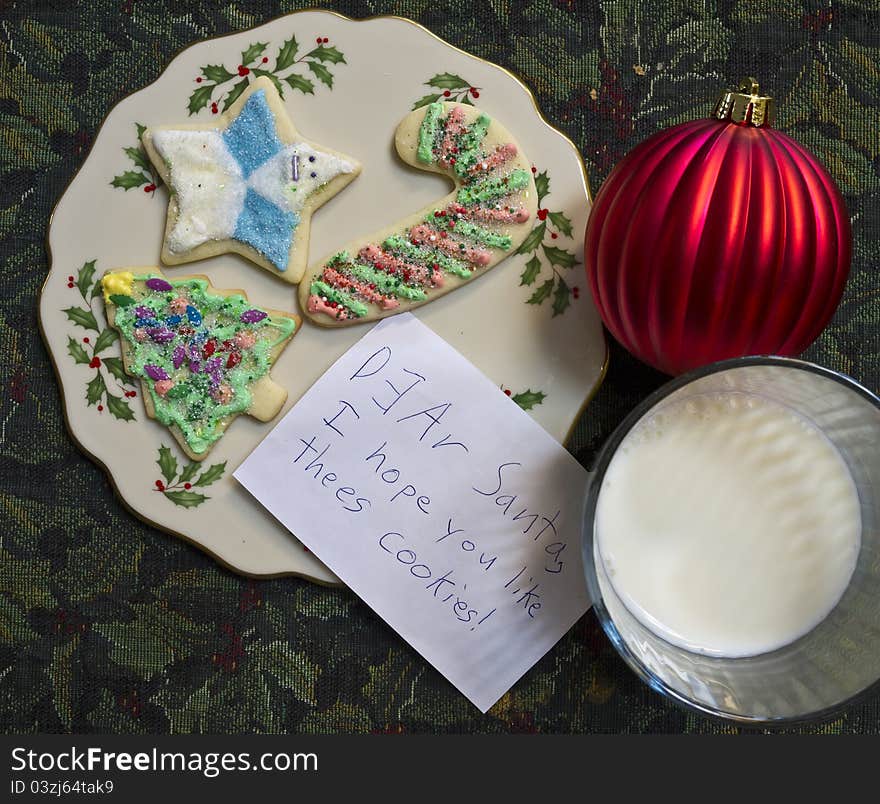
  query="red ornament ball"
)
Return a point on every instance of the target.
[{"x": 718, "y": 238}]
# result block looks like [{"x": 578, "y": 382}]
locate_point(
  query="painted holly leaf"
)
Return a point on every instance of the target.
[
  {"x": 119, "y": 408},
  {"x": 82, "y": 318},
  {"x": 427, "y": 100},
  {"x": 140, "y": 129},
  {"x": 272, "y": 77},
  {"x": 323, "y": 53},
  {"x": 561, "y": 221},
  {"x": 129, "y": 179},
  {"x": 560, "y": 257},
  {"x": 200, "y": 98},
  {"x": 189, "y": 471},
  {"x": 167, "y": 463},
  {"x": 465, "y": 99},
  {"x": 533, "y": 268},
  {"x": 232, "y": 95},
  {"x": 138, "y": 157},
  {"x": 542, "y": 185},
  {"x": 254, "y": 51},
  {"x": 105, "y": 339},
  {"x": 302, "y": 84},
  {"x": 529, "y": 398},
  {"x": 76, "y": 351},
  {"x": 448, "y": 81},
  {"x": 116, "y": 367},
  {"x": 186, "y": 499},
  {"x": 216, "y": 73},
  {"x": 84, "y": 277},
  {"x": 533, "y": 240},
  {"x": 95, "y": 389},
  {"x": 286, "y": 54},
  {"x": 561, "y": 297},
  {"x": 211, "y": 474},
  {"x": 321, "y": 73},
  {"x": 541, "y": 294}
]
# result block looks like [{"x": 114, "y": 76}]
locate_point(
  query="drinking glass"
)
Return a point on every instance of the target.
[{"x": 830, "y": 666}]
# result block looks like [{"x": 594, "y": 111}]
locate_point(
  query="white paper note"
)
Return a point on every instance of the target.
[{"x": 435, "y": 498}]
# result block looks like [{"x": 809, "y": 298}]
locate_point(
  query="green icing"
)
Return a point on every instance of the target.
[
  {"x": 427, "y": 256},
  {"x": 319, "y": 288},
  {"x": 428, "y": 132},
  {"x": 471, "y": 231},
  {"x": 469, "y": 145},
  {"x": 492, "y": 188},
  {"x": 386, "y": 282},
  {"x": 190, "y": 403}
]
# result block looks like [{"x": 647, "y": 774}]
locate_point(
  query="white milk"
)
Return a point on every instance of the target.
[{"x": 728, "y": 524}]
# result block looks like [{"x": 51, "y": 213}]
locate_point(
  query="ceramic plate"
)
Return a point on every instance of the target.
[{"x": 528, "y": 324}]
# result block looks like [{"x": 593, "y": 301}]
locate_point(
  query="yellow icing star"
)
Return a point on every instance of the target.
[{"x": 117, "y": 283}]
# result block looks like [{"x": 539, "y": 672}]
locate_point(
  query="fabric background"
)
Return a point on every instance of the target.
[{"x": 109, "y": 626}]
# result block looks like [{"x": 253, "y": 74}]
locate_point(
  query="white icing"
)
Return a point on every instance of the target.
[
  {"x": 274, "y": 179},
  {"x": 211, "y": 189},
  {"x": 208, "y": 182}
]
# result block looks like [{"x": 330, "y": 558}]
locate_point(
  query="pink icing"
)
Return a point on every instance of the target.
[
  {"x": 499, "y": 156},
  {"x": 178, "y": 305},
  {"x": 425, "y": 235},
  {"x": 334, "y": 278},
  {"x": 318, "y": 305},
  {"x": 520, "y": 215},
  {"x": 223, "y": 393},
  {"x": 245, "y": 339},
  {"x": 410, "y": 272},
  {"x": 453, "y": 128},
  {"x": 163, "y": 386}
]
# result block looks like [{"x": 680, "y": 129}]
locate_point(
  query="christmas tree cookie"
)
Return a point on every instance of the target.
[
  {"x": 202, "y": 355},
  {"x": 247, "y": 183},
  {"x": 445, "y": 245}
]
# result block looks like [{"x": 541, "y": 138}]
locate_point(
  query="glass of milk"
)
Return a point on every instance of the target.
[{"x": 732, "y": 540}]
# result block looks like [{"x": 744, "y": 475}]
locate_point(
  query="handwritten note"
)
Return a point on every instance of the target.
[{"x": 437, "y": 499}]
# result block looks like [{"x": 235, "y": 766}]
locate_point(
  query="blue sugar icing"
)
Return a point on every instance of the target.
[
  {"x": 251, "y": 137},
  {"x": 269, "y": 229}
]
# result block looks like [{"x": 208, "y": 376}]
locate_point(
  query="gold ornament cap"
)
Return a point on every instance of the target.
[{"x": 745, "y": 106}]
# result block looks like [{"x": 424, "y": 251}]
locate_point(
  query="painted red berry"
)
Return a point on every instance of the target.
[
  {"x": 446, "y": 93},
  {"x": 100, "y": 408},
  {"x": 507, "y": 391},
  {"x": 242, "y": 70},
  {"x": 214, "y": 108},
  {"x": 542, "y": 214},
  {"x": 150, "y": 188},
  {"x": 534, "y": 169},
  {"x": 576, "y": 292},
  {"x": 160, "y": 485},
  {"x": 326, "y": 40},
  {"x": 553, "y": 235},
  {"x": 187, "y": 486},
  {"x": 265, "y": 59},
  {"x": 85, "y": 340},
  {"x": 475, "y": 93},
  {"x": 70, "y": 284},
  {"x": 95, "y": 363},
  {"x": 70, "y": 279},
  {"x": 199, "y": 80},
  {"x": 319, "y": 40}
]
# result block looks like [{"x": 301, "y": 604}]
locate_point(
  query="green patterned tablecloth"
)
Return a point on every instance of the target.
[{"x": 107, "y": 625}]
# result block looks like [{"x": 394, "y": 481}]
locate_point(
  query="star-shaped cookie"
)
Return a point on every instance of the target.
[{"x": 247, "y": 183}]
